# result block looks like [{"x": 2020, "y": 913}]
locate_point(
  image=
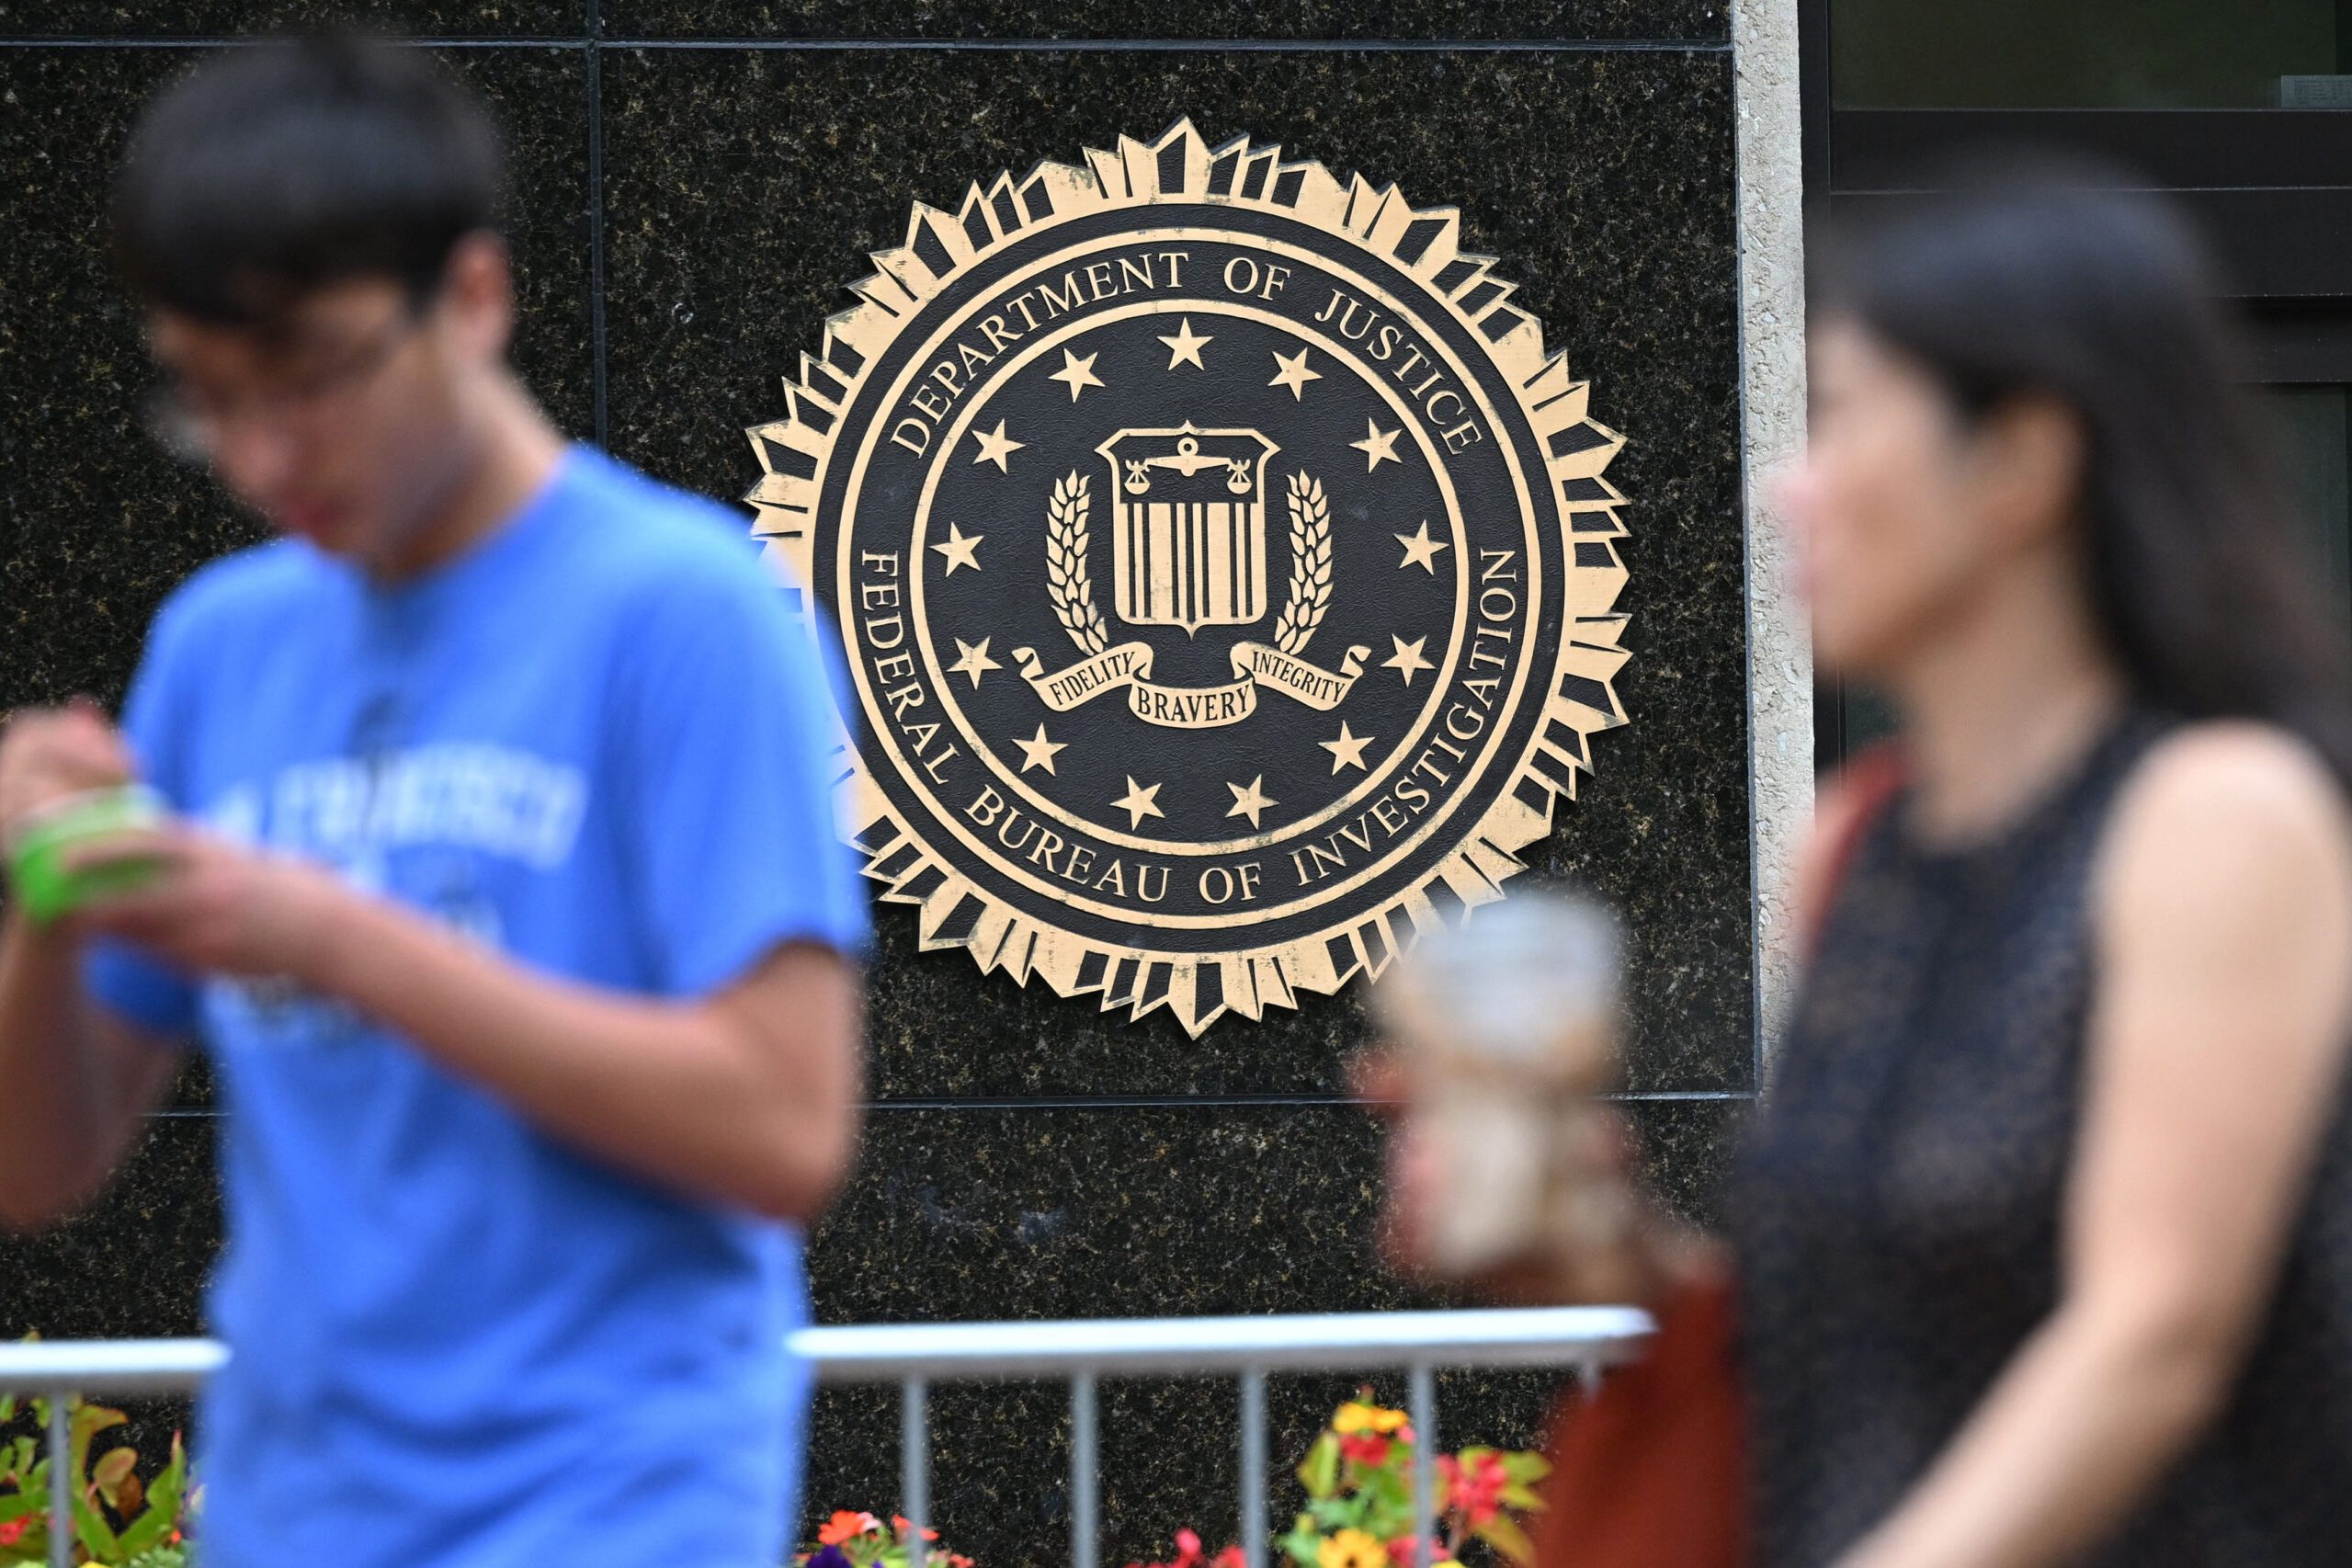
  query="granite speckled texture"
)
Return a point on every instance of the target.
[
  {"x": 1681, "y": 20},
  {"x": 976, "y": 1214},
  {"x": 754, "y": 184},
  {"x": 1135, "y": 1212},
  {"x": 1030, "y": 1157},
  {"x": 223, "y": 18}
]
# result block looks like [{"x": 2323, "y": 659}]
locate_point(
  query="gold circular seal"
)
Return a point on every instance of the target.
[{"x": 1225, "y": 572}]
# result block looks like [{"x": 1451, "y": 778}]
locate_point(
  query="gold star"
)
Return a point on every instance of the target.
[
  {"x": 1251, "y": 801},
  {"x": 996, "y": 446},
  {"x": 1420, "y": 550},
  {"x": 1139, "y": 801},
  {"x": 1184, "y": 348},
  {"x": 1294, "y": 373},
  {"x": 1347, "y": 751},
  {"x": 960, "y": 549},
  {"x": 1038, "y": 753},
  {"x": 1378, "y": 447},
  {"x": 1078, "y": 373},
  {"x": 975, "y": 662},
  {"x": 1407, "y": 660}
]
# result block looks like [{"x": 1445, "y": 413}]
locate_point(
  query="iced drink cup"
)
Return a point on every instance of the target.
[
  {"x": 38, "y": 849},
  {"x": 1507, "y": 1029}
]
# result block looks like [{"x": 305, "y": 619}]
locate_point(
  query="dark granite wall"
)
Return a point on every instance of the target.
[{"x": 698, "y": 180}]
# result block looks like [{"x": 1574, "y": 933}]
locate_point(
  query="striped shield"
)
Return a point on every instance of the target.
[{"x": 1189, "y": 542}]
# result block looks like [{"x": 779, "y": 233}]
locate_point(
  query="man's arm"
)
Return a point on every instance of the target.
[
  {"x": 74, "y": 1080},
  {"x": 747, "y": 1095}
]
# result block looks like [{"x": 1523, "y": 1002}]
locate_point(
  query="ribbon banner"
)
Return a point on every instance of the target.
[{"x": 1128, "y": 667}]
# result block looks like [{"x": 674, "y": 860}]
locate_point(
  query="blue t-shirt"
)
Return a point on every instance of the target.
[{"x": 597, "y": 743}]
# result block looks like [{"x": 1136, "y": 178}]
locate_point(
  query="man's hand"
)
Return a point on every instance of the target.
[
  {"x": 48, "y": 754},
  {"x": 215, "y": 908}
]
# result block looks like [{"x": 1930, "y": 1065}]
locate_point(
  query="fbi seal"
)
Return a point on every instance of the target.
[{"x": 1226, "y": 573}]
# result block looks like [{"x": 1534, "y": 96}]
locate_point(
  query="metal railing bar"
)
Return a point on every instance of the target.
[
  {"x": 110, "y": 1366},
  {"x": 1542, "y": 1336},
  {"x": 1084, "y": 1472},
  {"x": 915, "y": 1467},
  {"x": 1422, "y": 1400},
  {"x": 1505, "y": 1337},
  {"x": 61, "y": 1496},
  {"x": 1252, "y": 1468}
]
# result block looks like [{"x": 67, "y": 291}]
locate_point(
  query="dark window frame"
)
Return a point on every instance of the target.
[{"x": 2272, "y": 188}]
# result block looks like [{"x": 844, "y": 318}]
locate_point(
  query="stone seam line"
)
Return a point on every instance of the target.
[{"x": 1770, "y": 214}]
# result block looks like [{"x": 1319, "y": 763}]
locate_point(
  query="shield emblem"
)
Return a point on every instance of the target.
[{"x": 1189, "y": 543}]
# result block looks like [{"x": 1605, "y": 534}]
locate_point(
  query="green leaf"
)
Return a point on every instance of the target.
[
  {"x": 1526, "y": 1467},
  {"x": 97, "y": 1536},
  {"x": 16, "y": 1505},
  {"x": 113, "y": 1476},
  {"x": 1319, "y": 1472},
  {"x": 1503, "y": 1533},
  {"x": 86, "y": 1421},
  {"x": 1303, "y": 1543},
  {"x": 162, "y": 1513},
  {"x": 1517, "y": 1497}
]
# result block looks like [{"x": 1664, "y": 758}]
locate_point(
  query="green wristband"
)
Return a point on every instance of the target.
[{"x": 43, "y": 883}]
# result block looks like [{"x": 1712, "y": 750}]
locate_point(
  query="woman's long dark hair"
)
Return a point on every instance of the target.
[{"x": 2038, "y": 278}]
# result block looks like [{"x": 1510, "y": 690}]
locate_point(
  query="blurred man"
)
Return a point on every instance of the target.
[{"x": 504, "y": 894}]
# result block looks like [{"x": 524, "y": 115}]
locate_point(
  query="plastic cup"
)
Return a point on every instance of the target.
[
  {"x": 45, "y": 884},
  {"x": 1507, "y": 1030}
]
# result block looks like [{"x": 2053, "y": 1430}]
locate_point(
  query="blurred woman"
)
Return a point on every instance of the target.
[{"x": 2044, "y": 1236}]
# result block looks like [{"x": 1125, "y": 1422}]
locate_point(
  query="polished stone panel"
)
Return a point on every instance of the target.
[
  {"x": 228, "y": 19},
  {"x": 743, "y": 187},
  {"x": 132, "y": 1267},
  {"x": 1005, "y": 1213},
  {"x": 134, "y": 1263},
  {"x": 1468, "y": 19},
  {"x": 1126, "y": 1211},
  {"x": 96, "y": 524}
]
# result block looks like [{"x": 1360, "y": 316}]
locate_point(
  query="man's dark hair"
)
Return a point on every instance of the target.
[{"x": 279, "y": 168}]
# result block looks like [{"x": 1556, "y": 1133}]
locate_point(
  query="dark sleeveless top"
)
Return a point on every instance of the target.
[{"x": 1897, "y": 1212}]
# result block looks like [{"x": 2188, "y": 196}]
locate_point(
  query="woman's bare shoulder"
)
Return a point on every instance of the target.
[
  {"x": 2223, "y": 802},
  {"x": 2240, "y": 765}
]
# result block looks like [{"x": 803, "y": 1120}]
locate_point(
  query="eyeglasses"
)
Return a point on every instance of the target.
[{"x": 187, "y": 421}]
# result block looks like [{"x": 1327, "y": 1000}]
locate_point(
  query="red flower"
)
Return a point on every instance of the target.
[
  {"x": 846, "y": 1524},
  {"x": 1187, "y": 1549},
  {"x": 1366, "y": 1448},
  {"x": 905, "y": 1525},
  {"x": 13, "y": 1531},
  {"x": 1230, "y": 1557},
  {"x": 1476, "y": 1492}
]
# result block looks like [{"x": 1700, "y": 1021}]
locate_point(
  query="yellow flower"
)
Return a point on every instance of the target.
[
  {"x": 1352, "y": 1548},
  {"x": 1357, "y": 1416}
]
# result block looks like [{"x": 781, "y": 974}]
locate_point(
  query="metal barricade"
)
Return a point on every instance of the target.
[{"x": 916, "y": 1355}]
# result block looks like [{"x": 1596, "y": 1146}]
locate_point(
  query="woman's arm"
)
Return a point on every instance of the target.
[{"x": 2223, "y": 910}]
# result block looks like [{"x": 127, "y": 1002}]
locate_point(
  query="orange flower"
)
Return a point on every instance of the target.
[
  {"x": 846, "y": 1524},
  {"x": 905, "y": 1524},
  {"x": 1352, "y": 1548},
  {"x": 1357, "y": 1416}
]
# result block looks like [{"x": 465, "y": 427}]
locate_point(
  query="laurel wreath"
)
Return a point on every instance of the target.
[
  {"x": 1072, "y": 593},
  {"x": 1066, "y": 563},
  {"x": 1309, "y": 565}
]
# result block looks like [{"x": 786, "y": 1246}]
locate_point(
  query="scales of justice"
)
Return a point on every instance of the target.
[{"x": 1189, "y": 550}]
